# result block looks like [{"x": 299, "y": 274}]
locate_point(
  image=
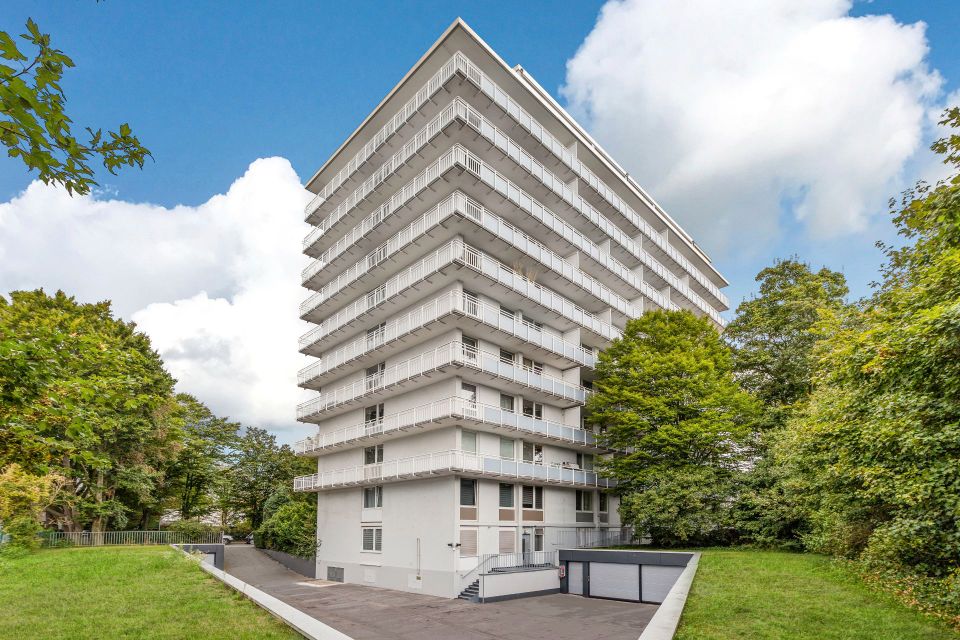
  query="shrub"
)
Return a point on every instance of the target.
[{"x": 290, "y": 528}]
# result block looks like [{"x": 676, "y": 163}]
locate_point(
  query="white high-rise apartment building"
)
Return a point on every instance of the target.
[{"x": 473, "y": 250}]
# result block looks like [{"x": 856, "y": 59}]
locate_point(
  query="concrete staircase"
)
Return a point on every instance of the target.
[{"x": 471, "y": 593}]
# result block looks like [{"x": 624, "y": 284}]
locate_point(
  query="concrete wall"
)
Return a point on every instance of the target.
[
  {"x": 304, "y": 566},
  {"x": 518, "y": 584}
]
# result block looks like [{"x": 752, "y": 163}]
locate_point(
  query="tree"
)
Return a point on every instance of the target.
[
  {"x": 290, "y": 523},
  {"x": 35, "y": 127},
  {"x": 773, "y": 339},
  {"x": 202, "y": 456},
  {"x": 772, "y": 333},
  {"x": 85, "y": 395},
  {"x": 665, "y": 395},
  {"x": 23, "y": 498},
  {"x": 258, "y": 468},
  {"x": 875, "y": 453}
]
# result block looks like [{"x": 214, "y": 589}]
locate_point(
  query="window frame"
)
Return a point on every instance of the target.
[
  {"x": 536, "y": 494},
  {"x": 377, "y": 492},
  {"x": 473, "y": 483},
  {"x": 376, "y": 539}
]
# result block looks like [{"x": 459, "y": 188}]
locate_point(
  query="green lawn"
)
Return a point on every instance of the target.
[
  {"x": 761, "y": 595},
  {"x": 123, "y": 592}
]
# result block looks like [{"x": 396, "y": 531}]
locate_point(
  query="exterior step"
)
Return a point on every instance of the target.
[{"x": 471, "y": 593}]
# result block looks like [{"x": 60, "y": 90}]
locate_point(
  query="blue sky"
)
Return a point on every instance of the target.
[
  {"x": 212, "y": 87},
  {"x": 209, "y": 87}
]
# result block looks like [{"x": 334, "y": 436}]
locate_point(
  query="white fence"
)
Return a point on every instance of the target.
[{"x": 106, "y": 538}]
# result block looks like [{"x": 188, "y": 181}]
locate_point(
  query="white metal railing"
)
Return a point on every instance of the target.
[
  {"x": 460, "y": 63},
  {"x": 473, "y": 73},
  {"x": 510, "y": 148},
  {"x": 451, "y": 407},
  {"x": 459, "y": 203},
  {"x": 586, "y": 537},
  {"x": 493, "y": 562},
  {"x": 456, "y": 251},
  {"x": 379, "y": 139},
  {"x": 453, "y": 461},
  {"x": 385, "y": 170},
  {"x": 449, "y": 303},
  {"x": 109, "y": 538},
  {"x": 452, "y": 353}
]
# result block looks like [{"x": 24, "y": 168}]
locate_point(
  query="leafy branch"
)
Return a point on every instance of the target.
[{"x": 35, "y": 127}]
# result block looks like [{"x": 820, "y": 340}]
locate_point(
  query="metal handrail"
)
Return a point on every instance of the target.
[
  {"x": 452, "y": 302},
  {"x": 452, "y": 461},
  {"x": 459, "y": 63},
  {"x": 451, "y": 407},
  {"x": 456, "y": 251},
  {"x": 451, "y": 353}
]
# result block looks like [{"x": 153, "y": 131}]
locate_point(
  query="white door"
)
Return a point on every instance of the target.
[
  {"x": 575, "y": 578},
  {"x": 620, "y": 581}
]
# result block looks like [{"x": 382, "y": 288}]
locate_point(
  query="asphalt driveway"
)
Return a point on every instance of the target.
[{"x": 368, "y": 613}]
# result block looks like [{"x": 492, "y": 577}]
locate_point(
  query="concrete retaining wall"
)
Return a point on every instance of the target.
[
  {"x": 304, "y": 566},
  {"x": 518, "y": 584}
]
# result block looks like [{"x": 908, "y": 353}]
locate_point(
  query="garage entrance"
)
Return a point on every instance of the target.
[{"x": 634, "y": 576}]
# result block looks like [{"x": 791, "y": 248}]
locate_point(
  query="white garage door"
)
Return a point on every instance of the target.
[
  {"x": 657, "y": 581},
  {"x": 575, "y": 578},
  {"x": 608, "y": 580}
]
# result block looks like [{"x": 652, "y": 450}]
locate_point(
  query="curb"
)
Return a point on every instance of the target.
[{"x": 307, "y": 626}]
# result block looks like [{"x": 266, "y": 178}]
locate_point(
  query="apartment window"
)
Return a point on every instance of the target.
[
  {"x": 470, "y": 348},
  {"x": 468, "y": 441},
  {"x": 507, "y": 357},
  {"x": 602, "y": 502},
  {"x": 533, "y": 409},
  {"x": 468, "y": 392},
  {"x": 532, "y": 323},
  {"x": 506, "y": 496},
  {"x": 533, "y": 497},
  {"x": 471, "y": 303},
  {"x": 376, "y": 296},
  {"x": 375, "y": 335},
  {"x": 373, "y": 455},
  {"x": 372, "y": 538},
  {"x": 468, "y": 493},
  {"x": 533, "y": 452},
  {"x": 507, "y": 313},
  {"x": 506, "y": 402},
  {"x": 585, "y": 461},
  {"x": 373, "y": 497},
  {"x": 373, "y": 414},
  {"x": 507, "y": 541},
  {"x": 530, "y": 365},
  {"x": 376, "y": 256},
  {"x": 584, "y": 501},
  {"x": 538, "y": 540},
  {"x": 375, "y": 376},
  {"x": 506, "y": 448}
]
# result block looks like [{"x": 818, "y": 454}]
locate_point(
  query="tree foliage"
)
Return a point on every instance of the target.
[
  {"x": 290, "y": 523},
  {"x": 665, "y": 393},
  {"x": 34, "y": 125},
  {"x": 85, "y": 395},
  {"x": 875, "y": 455}
]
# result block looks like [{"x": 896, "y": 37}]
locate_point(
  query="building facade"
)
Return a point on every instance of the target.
[{"x": 473, "y": 250}]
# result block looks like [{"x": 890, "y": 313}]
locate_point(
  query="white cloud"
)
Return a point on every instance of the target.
[
  {"x": 727, "y": 111},
  {"x": 215, "y": 286}
]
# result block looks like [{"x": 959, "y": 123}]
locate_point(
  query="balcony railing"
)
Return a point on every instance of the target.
[
  {"x": 453, "y": 461},
  {"x": 454, "y": 408},
  {"x": 481, "y": 124},
  {"x": 433, "y": 85},
  {"x": 452, "y": 353},
  {"x": 456, "y": 251},
  {"x": 459, "y": 63},
  {"x": 453, "y": 302},
  {"x": 587, "y": 537},
  {"x": 513, "y": 109},
  {"x": 459, "y": 203}
]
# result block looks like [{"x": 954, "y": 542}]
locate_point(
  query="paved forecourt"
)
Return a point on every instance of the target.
[{"x": 365, "y": 613}]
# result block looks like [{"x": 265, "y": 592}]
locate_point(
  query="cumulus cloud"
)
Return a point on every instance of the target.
[
  {"x": 215, "y": 286},
  {"x": 735, "y": 114}
]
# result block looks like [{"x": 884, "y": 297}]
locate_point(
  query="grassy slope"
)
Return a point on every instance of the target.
[
  {"x": 768, "y": 595},
  {"x": 123, "y": 592}
]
